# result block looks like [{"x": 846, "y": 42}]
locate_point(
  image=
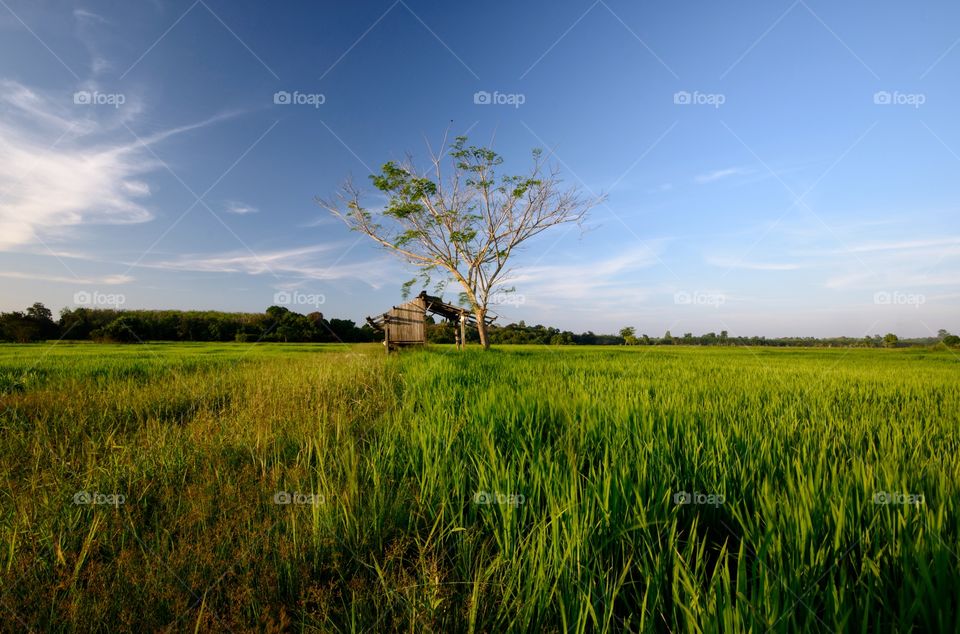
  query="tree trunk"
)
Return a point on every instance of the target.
[{"x": 481, "y": 315}]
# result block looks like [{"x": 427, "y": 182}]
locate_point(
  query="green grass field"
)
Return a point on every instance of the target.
[{"x": 526, "y": 489}]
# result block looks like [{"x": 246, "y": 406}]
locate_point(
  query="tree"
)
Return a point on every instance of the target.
[
  {"x": 561, "y": 339},
  {"x": 890, "y": 340},
  {"x": 629, "y": 335},
  {"x": 18, "y": 327},
  {"x": 40, "y": 312},
  {"x": 465, "y": 224},
  {"x": 42, "y": 317},
  {"x": 123, "y": 329},
  {"x": 951, "y": 340},
  {"x": 35, "y": 325},
  {"x": 942, "y": 333}
]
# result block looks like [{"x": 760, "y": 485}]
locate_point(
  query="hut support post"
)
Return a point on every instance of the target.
[{"x": 463, "y": 331}]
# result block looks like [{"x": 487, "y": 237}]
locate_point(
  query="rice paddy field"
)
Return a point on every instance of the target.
[{"x": 324, "y": 488}]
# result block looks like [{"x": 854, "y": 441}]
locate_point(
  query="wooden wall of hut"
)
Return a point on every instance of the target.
[{"x": 405, "y": 324}]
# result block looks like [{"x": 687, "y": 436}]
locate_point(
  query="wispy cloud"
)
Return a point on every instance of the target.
[
  {"x": 236, "y": 207},
  {"x": 319, "y": 221},
  {"x": 63, "y": 165},
  {"x": 106, "y": 279},
  {"x": 896, "y": 264},
  {"x": 87, "y": 21},
  {"x": 902, "y": 245},
  {"x": 317, "y": 262},
  {"x": 739, "y": 263},
  {"x": 892, "y": 280},
  {"x": 84, "y": 14},
  {"x": 717, "y": 175},
  {"x": 597, "y": 278}
]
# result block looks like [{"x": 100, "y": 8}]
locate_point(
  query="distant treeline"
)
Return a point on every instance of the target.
[
  {"x": 520, "y": 334},
  {"x": 277, "y": 323},
  {"x": 131, "y": 326}
]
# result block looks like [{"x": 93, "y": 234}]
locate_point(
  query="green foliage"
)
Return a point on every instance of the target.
[
  {"x": 123, "y": 329},
  {"x": 39, "y": 312},
  {"x": 135, "y": 326},
  {"x": 407, "y": 192},
  {"x": 532, "y": 489},
  {"x": 36, "y": 324}
]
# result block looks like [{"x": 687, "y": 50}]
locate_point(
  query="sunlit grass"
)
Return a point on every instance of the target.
[{"x": 523, "y": 489}]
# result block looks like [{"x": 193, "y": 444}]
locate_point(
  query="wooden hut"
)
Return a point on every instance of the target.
[{"x": 406, "y": 325}]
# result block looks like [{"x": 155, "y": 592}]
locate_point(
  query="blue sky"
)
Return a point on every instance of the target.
[{"x": 772, "y": 168}]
